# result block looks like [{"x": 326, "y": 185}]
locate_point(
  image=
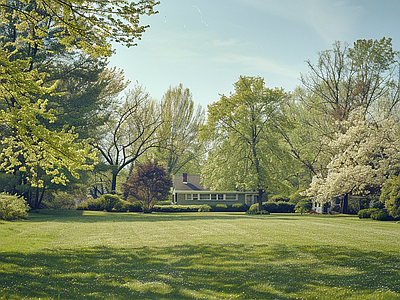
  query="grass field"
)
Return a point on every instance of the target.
[{"x": 98, "y": 255}]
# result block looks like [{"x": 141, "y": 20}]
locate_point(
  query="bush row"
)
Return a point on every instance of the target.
[
  {"x": 110, "y": 202},
  {"x": 279, "y": 207},
  {"x": 375, "y": 214},
  {"x": 193, "y": 208}
]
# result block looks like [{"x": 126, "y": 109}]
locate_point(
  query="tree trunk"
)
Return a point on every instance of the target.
[
  {"x": 114, "y": 182},
  {"x": 260, "y": 198},
  {"x": 345, "y": 204}
]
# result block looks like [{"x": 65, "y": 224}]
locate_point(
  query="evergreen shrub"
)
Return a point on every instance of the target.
[
  {"x": 380, "y": 215},
  {"x": 220, "y": 207},
  {"x": 285, "y": 207},
  {"x": 272, "y": 207},
  {"x": 239, "y": 207}
]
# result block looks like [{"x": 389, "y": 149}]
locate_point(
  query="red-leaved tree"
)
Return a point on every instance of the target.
[{"x": 148, "y": 184}]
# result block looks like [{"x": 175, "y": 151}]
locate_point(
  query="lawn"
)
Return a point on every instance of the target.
[{"x": 98, "y": 255}]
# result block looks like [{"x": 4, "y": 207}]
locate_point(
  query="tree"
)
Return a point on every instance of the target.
[
  {"x": 130, "y": 132},
  {"x": 346, "y": 78},
  {"x": 180, "y": 129},
  {"x": 244, "y": 131},
  {"x": 148, "y": 184},
  {"x": 366, "y": 155},
  {"x": 31, "y": 31}
]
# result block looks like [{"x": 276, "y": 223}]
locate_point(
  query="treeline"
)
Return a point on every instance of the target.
[{"x": 70, "y": 125}]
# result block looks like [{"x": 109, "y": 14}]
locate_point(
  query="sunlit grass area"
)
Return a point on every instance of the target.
[{"x": 98, "y": 255}]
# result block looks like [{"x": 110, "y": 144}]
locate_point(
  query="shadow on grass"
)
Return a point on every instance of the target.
[{"x": 201, "y": 272}]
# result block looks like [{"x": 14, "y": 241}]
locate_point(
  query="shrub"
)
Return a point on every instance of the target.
[
  {"x": 59, "y": 200},
  {"x": 220, "y": 207},
  {"x": 272, "y": 207},
  {"x": 380, "y": 215},
  {"x": 253, "y": 210},
  {"x": 284, "y": 207},
  {"x": 109, "y": 203},
  {"x": 133, "y": 206},
  {"x": 303, "y": 206},
  {"x": 204, "y": 208},
  {"x": 12, "y": 207},
  {"x": 176, "y": 208},
  {"x": 366, "y": 213},
  {"x": 239, "y": 207}
]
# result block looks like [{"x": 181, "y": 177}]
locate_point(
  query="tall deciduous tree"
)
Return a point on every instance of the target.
[
  {"x": 130, "y": 132},
  {"x": 180, "y": 129},
  {"x": 32, "y": 34},
  {"x": 244, "y": 131},
  {"x": 346, "y": 78},
  {"x": 148, "y": 184}
]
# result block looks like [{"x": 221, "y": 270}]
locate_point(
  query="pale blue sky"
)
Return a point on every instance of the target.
[{"x": 206, "y": 45}]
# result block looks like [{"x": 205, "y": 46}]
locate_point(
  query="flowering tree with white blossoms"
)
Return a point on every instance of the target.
[{"x": 366, "y": 154}]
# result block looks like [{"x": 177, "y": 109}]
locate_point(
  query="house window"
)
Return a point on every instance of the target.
[
  {"x": 220, "y": 196},
  {"x": 204, "y": 196},
  {"x": 213, "y": 196},
  {"x": 230, "y": 197},
  {"x": 188, "y": 196},
  {"x": 195, "y": 196}
]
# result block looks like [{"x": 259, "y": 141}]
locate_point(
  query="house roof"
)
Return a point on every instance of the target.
[{"x": 193, "y": 183}]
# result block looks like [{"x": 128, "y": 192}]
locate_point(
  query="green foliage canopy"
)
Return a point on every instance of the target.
[{"x": 244, "y": 130}]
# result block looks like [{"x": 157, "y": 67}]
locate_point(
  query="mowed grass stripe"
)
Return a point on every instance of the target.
[{"x": 98, "y": 255}]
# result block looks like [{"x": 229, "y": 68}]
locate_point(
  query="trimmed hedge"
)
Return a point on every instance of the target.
[
  {"x": 279, "y": 207},
  {"x": 239, "y": 207},
  {"x": 220, "y": 207},
  {"x": 176, "y": 208}
]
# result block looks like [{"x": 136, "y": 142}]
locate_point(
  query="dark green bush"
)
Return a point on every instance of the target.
[
  {"x": 380, "y": 215},
  {"x": 12, "y": 207},
  {"x": 220, "y": 207},
  {"x": 239, "y": 207},
  {"x": 366, "y": 213},
  {"x": 284, "y": 207},
  {"x": 272, "y": 207}
]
